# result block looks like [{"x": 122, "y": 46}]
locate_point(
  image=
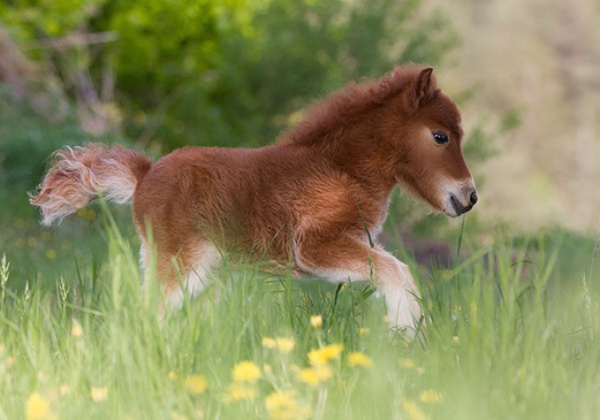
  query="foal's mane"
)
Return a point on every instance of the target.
[{"x": 348, "y": 104}]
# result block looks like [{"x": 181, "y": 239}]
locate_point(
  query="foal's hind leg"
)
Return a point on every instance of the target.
[
  {"x": 190, "y": 272},
  {"x": 347, "y": 258},
  {"x": 186, "y": 271}
]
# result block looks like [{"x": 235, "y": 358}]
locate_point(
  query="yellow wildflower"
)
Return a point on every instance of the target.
[
  {"x": 359, "y": 359},
  {"x": 99, "y": 394},
  {"x": 308, "y": 376},
  {"x": 50, "y": 254},
  {"x": 32, "y": 242},
  {"x": 315, "y": 375},
  {"x": 363, "y": 331},
  {"x": 413, "y": 411},
  {"x": 407, "y": 363},
  {"x": 246, "y": 371},
  {"x": 172, "y": 376},
  {"x": 239, "y": 392},
  {"x": 37, "y": 407},
  {"x": 177, "y": 416},
  {"x": 316, "y": 321},
  {"x": 325, "y": 354},
  {"x": 76, "y": 330},
  {"x": 269, "y": 343},
  {"x": 285, "y": 345},
  {"x": 323, "y": 372},
  {"x": 281, "y": 405},
  {"x": 431, "y": 396},
  {"x": 196, "y": 384}
]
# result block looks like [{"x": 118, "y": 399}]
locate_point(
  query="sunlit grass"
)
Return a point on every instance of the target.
[{"x": 511, "y": 334}]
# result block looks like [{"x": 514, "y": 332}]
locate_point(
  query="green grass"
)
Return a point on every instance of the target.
[{"x": 512, "y": 334}]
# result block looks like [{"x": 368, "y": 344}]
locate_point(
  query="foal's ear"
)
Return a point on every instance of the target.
[
  {"x": 423, "y": 86},
  {"x": 425, "y": 83}
]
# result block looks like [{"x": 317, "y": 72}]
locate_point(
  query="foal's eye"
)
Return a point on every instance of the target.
[{"x": 440, "y": 137}]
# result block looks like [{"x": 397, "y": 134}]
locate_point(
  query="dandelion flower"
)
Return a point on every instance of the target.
[
  {"x": 76, "y": 329},
  {"x": 315, "y": 375},
  {"x": 359, "y": 359},
  {"x": 325, "y": 354},
  {"x": 431, "y": 396},
  {"x": 413, "y": 411},
  {"x": 308, "y": 376},
  {"x": 285, "y": 345},
  {"x": 37, "y": 408},
  {"x": 316, "y": 321},
  {"x": 269, "y": 343},
  {"x": 240, "y": 392},
  {"x": 281, "y": 405},
  {"x": 407, "y": 363},
  {"x": 174, "y": 415},
  {"x": 196, "y": 384},
  {"x": 99, "y": 394},
  {"x": 323, "y": 372},
  {"x": 172, "y": 376},
  {"x": 246, "y": 371},
  {"x": 363, "y": 331}
]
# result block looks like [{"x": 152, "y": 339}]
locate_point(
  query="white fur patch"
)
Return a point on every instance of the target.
[{"x": 198, "y": 275}]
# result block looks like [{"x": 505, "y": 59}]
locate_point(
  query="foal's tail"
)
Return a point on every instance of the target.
[{"x": 80, "y": 175}]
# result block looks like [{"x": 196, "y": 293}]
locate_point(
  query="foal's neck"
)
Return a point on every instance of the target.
[{"x": 357, "y": 149}]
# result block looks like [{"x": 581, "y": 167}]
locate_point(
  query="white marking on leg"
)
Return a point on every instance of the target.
[
  {"x": 144, "y": 257},
  {"x": 391, "y": 277},
  {"x": 398, "y": 286},
  {"x": 197, "y": 276}
]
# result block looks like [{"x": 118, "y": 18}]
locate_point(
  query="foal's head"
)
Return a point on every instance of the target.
[{"x": 423, "y": 126}]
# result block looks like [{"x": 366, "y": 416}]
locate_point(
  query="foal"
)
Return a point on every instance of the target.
[{"x": 315, "y": 201}]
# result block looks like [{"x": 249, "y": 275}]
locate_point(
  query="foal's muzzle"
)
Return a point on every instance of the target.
[
  {"x": 461, "y": 208},
  {"x": 460, "y": 198}
]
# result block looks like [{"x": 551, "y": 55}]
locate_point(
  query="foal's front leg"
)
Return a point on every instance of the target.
[{"x": 347, "y": 258}]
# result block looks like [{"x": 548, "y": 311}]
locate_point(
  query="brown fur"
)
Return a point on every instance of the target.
[{"x": 314, "y": 200}]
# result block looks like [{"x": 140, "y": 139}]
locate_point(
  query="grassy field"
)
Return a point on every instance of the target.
[{"x": 512, "y": 334}]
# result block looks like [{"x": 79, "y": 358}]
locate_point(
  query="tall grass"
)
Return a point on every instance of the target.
[{"x": 511, "y": 333}]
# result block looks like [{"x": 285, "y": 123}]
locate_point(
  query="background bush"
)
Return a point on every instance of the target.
[{"x": 227, "y": 73}]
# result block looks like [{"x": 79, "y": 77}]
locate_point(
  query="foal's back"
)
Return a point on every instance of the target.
[{"x": 245, "y": 199}]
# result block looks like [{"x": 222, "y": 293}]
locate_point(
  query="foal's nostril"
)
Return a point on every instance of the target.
[{"x": 474, "y": 198}]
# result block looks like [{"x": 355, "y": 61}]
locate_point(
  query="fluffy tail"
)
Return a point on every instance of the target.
[{"x": 80, "y": 175}]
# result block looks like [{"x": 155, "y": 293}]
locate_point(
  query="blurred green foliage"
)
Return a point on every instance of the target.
[
  {"x": 26, "y": 141},
  {"x": 231, "y": 72}
]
